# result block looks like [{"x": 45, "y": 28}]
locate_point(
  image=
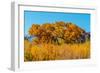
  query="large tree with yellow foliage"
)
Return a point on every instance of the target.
[{"x": 56, "y": 33}]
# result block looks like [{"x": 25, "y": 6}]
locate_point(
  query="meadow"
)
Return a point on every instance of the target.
[{"x": 55, "y": 52}]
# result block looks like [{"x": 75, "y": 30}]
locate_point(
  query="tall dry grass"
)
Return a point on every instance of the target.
[{"x": 44, "y": 51}]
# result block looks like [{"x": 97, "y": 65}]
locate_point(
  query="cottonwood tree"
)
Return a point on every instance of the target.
[{"x": 56, "y": 33}]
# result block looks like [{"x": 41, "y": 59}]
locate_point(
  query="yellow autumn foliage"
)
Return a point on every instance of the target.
[{"x": 56, "y": 41}]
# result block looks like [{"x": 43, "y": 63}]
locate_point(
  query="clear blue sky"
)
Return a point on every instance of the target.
[{"x": 33, "y": 17}]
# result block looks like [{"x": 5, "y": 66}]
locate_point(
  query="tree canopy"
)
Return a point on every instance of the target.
[{"x": 57, "y": 33}]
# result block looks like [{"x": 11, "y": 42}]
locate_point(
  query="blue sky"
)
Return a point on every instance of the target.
[{"x": 35, "y": 17}]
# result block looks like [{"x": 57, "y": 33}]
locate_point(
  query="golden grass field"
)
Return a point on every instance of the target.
[{"x": 43, "y": 52}]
